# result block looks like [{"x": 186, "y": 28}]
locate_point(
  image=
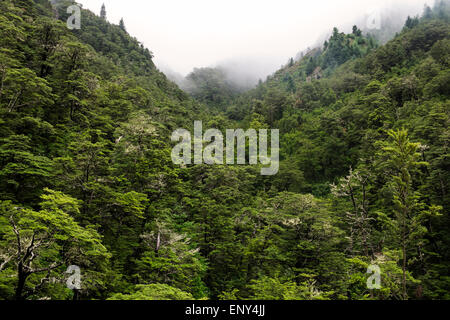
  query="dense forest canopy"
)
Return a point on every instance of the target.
[{"x": 87, "y": 180}]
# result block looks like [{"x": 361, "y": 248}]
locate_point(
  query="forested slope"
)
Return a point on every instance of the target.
[
  {"x": 336, "y": 118},
  {"x": 86, "y": 176},
  {"x": 84, "y": 112}
]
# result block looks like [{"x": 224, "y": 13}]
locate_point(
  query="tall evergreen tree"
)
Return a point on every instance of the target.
[
  {"x": 103, "y": 12},
  {"x": 401, "y": 159},
  {"x": 122, "y": 25}
]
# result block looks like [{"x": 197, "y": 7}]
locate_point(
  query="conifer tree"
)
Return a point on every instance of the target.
[
  {"x": 122, "y": 25},
  {"x": 103, "y": 12}
]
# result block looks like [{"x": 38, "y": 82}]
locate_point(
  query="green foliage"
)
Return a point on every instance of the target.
[
  {"x": 154, "y": 292},
  {"x": 341, "y": 48},
  {"x": 211, "y": 86},
  {"x": 38, "y": 243},
  {"x": 86, "y": 176},
  {"x": 273, "y": 289}
]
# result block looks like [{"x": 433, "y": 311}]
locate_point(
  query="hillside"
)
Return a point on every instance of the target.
[{"x": 87, "y": 179}]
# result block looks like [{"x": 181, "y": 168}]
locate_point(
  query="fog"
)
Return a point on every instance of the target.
[{"x": 249, "y": 38}]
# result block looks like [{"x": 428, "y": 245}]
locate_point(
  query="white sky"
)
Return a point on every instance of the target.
[{"x": 184, "y": 34}]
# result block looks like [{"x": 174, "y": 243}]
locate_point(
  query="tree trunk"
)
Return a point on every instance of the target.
[
  {"x": 76, "y": 295},
  {"x": 20, "y": 282},
  {"x": 158, "y": 241}
]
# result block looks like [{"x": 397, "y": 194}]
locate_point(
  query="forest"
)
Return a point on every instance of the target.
[{"x": 87, "y": 179}]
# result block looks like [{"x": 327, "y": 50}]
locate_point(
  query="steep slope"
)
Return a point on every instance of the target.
[
  {"x": 337, "y": 119},
  {"x": 87, "y": 113}
]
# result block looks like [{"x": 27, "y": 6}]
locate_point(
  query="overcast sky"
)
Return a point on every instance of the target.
[{"x": 184, "y": 34}]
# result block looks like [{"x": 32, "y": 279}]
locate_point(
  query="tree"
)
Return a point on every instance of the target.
[
  {"x": 354, "y": 187},
  {"x": 85, "y": 163},
  {"x": 291, "y": 62},
  {"x": 12, "y": 30},
  {"x": 169, "y": 258},
  {"x": 411, "y": 22},
  {"x": 356, "y": 31},
  {"x": 23, "y": 174},
  {"x": 401, "y": 158},
  {"x": 154, "y": 292},
  {"x": 312, "y": 64},
  {"x": 23, "y": 88},
  {"x": 267, "y": 288},
  {"x": 103, "y": 12},
  {"x": 427, "y": 12},
  {"x": 290, "y": 84},
  {"x": 122, "y": 25},
  {"x": 41, "y": 242},
  {"x": 47, "y": 36},
  {"x": 6, "y": 63}
]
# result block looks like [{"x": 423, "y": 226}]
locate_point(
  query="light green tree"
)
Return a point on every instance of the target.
[
  {"x": 400, "y": 159},
  {"x": 38, "y": 244}
]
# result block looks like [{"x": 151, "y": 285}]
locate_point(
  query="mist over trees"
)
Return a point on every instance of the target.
[{"x": 244, "y": 73}]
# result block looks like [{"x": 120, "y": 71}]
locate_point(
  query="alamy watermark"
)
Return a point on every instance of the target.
[
  {"x": 74, "y": 281},
  {"x": 74, "y": 20},
  {"x": 374, "y": 281},
  {"x": 213, "y": 153},
  {"x": 373, "y": 21}
]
